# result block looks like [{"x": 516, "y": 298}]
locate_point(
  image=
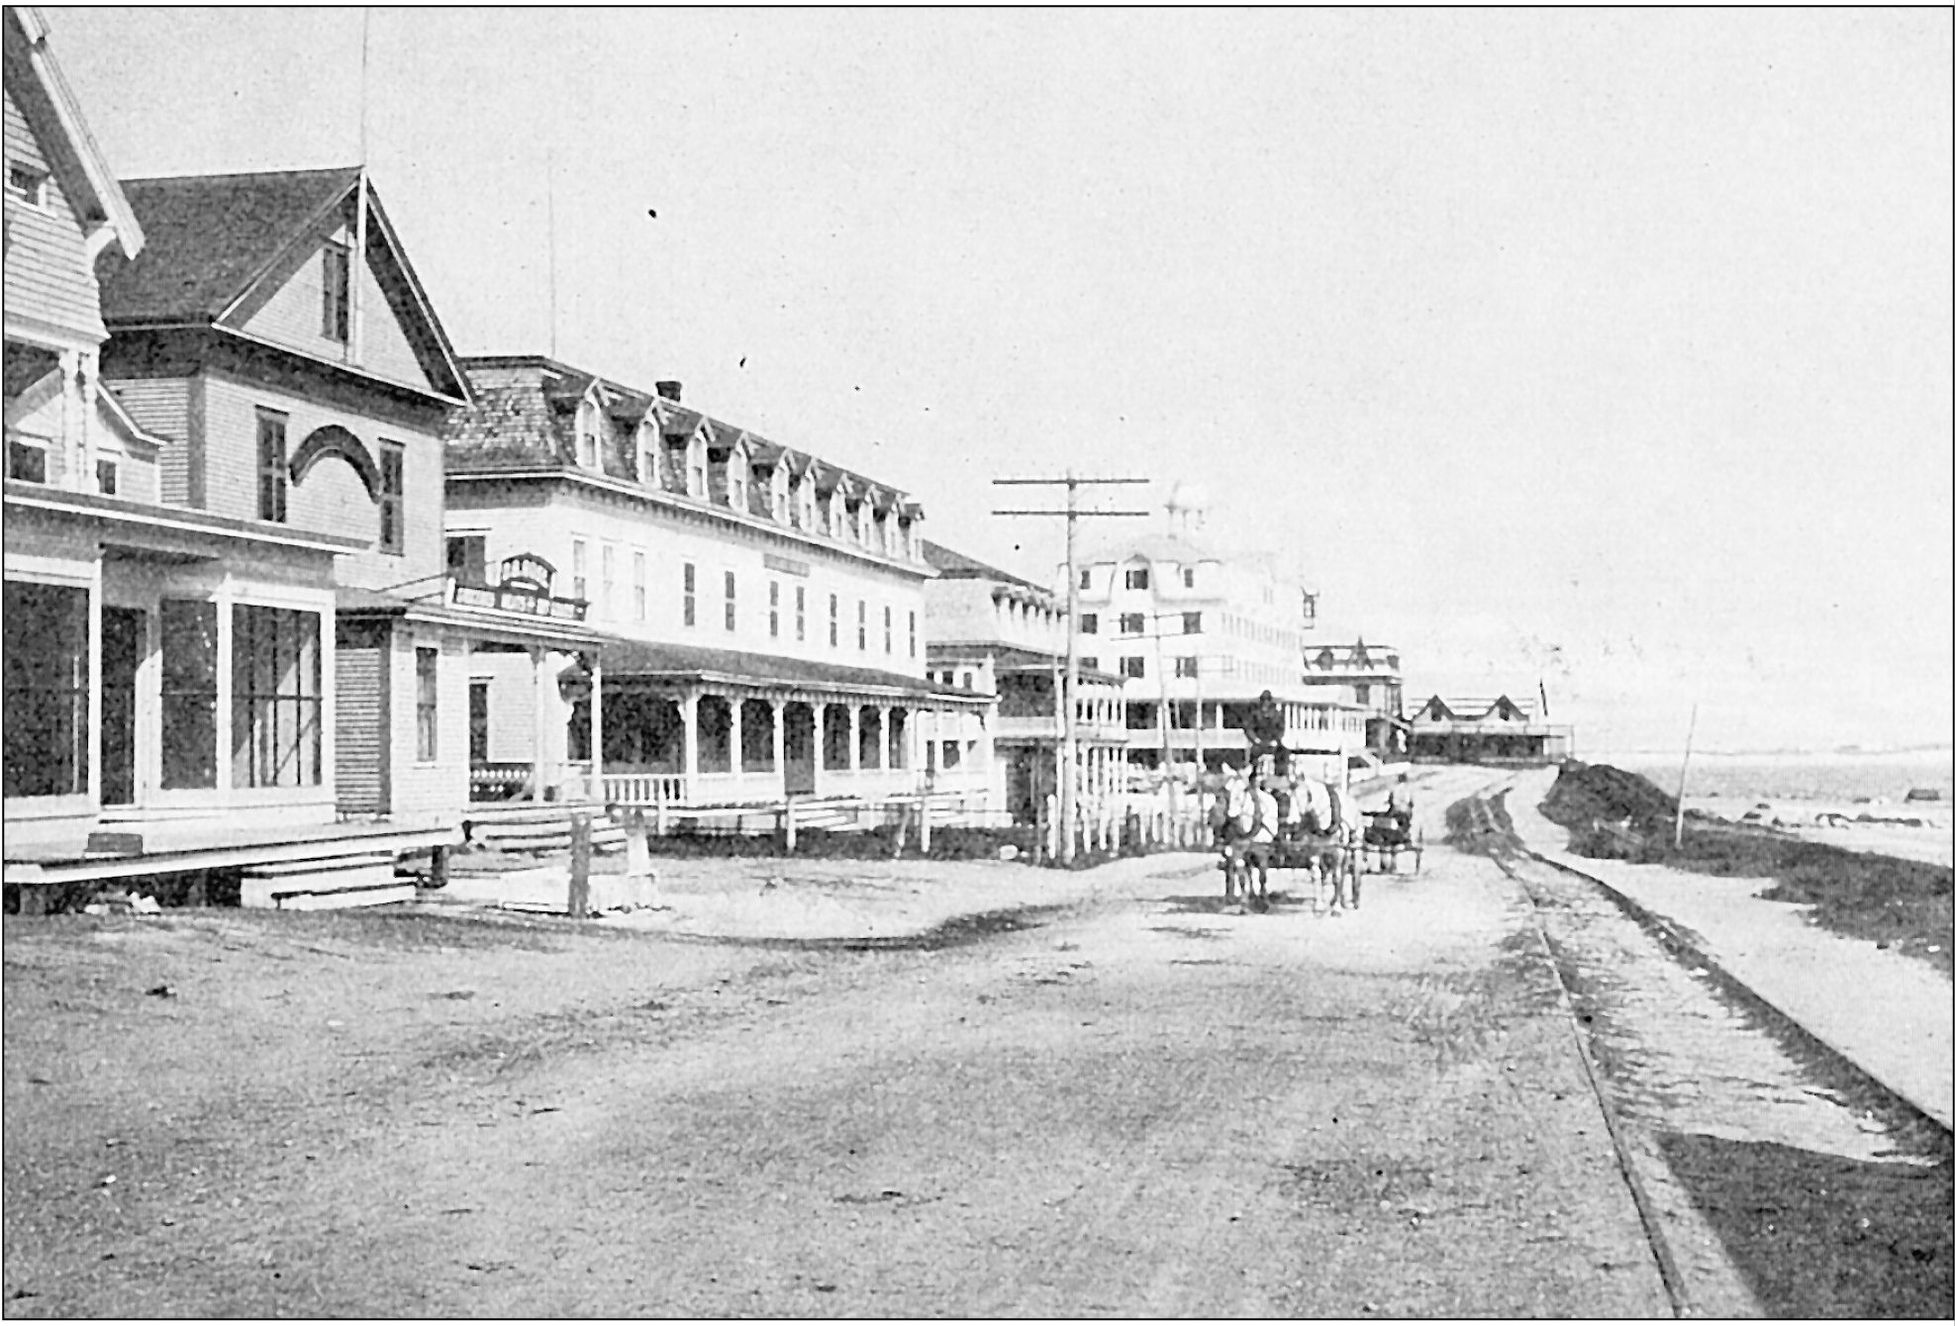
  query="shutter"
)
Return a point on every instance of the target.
[{"x": 360, "y": 767}]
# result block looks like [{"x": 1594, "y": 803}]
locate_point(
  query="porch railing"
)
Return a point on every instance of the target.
[{"x": 502, "y": 780}]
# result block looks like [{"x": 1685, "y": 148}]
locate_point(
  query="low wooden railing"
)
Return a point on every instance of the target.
[{"x": 501, "y": 780}]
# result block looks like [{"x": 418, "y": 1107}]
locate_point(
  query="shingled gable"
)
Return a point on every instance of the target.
[
  {"x": 35, "y": 82},
  {"x": 221, "y": 246}
]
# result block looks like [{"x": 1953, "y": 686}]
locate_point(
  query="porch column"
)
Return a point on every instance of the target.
[
  {"x": 780, "y": 740},
  {"x": 539, "y": 711},
  {"x": 689, "y": 728},
  {"x": 882, "y": 737},
  {"x": 596, "y": 792},
  {"x": 854, "y": 743},
  {"x": 819, "y": 709},
  {"x": 733, "y": 706}
]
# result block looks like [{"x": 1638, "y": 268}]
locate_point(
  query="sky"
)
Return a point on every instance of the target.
[{"x": 1601, "y": 352}]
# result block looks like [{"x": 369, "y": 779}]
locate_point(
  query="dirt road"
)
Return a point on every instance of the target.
[{"x": 1137, "y": 1105}]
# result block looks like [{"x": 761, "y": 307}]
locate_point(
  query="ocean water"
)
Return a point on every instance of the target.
[{"x": 1852, "y": 779}]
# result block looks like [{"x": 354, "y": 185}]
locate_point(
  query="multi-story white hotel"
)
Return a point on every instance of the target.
[
  {"x": 1198, "y": 635},
  {"x": 1368, "y": 676},
  {"x": 766, "y": 607}
]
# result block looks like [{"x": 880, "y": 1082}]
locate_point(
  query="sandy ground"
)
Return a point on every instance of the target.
[
  {"x": 1129, "y": 1104},
  {"x": 1890, "y": 1014}
]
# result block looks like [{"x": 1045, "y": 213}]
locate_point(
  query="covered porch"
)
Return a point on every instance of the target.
[{"x": 676, "y": 725}]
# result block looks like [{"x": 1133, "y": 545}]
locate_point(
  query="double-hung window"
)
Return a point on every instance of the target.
[
  {"x": 691, "y": 594},
  {"x": 27, "y": 458},
  {"x": 271, "y": 465},
  {"x": 774, "y": 609},
  {"x": 800, "y": 612},
  {"x": 427, "y": 705},
  {"x": 862, "y": 624},
  {"x": 393, "y": 478},
  {"x": 638, "y": 584},
  {"x": 334, "y": 282},
  {"x": 729, "y": 600}
]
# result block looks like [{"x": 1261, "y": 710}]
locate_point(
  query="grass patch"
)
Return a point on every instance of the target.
[{"x": 1906, "y": 905}]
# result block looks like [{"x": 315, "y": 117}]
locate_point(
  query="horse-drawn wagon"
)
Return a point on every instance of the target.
[
  {"x": 1291, "y": 830},
  {"x": 1388, "y": 834}
]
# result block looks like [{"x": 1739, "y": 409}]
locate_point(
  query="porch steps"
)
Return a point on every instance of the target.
[
  {"x": 541, "y": 829},
  {"x": 361, "y": 880}
]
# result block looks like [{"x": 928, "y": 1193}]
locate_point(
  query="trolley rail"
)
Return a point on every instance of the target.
[{"x": 1690, "y": 1290}]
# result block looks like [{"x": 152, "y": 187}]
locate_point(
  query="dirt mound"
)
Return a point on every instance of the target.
[{"x": 1591, "y": 797}]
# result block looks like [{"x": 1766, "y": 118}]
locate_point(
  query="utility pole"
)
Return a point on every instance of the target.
[
  {"x": 1068, "y": 794},
  {"x": 1683, "y": 774}
]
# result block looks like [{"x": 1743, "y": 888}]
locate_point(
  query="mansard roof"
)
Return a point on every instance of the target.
[{"x": 523, "y": 403}]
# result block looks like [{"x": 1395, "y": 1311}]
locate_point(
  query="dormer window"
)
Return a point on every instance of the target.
[
  {"x": 648, "y": 453},
  {"x": 336, "y": 304},
  {"x": 587, "y": 435},
  {"x": 805, "y": 498},
  {"x": 778, "y": 491},
  {"x": 736, "y": 479}
]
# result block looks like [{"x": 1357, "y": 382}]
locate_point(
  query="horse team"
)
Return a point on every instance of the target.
[{"x": 1272, "y": 819}]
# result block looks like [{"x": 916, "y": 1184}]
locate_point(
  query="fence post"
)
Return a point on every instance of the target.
[
  {"x": 580, "y": 865},
  {"x": 923, "y": 825},
  {"x": 787, "y": 815},
  {"x": 658, "y": 804}
]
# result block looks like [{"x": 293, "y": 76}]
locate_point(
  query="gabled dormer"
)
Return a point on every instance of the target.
[
  {"x": 807, "y": 516},
  {"x": 686, "y": 452},
  {"x": 862, "y": 516},
  {"x": 729, "y": 459},
  {"x": 772, "y": 482},
  {"x": 1434, "y": 710},
  {"x": 587, "y": 431},
  {"x": 648, "y": 447},
  {"x": 836, "y": 495},
  {"x": 909, "y": 520}
]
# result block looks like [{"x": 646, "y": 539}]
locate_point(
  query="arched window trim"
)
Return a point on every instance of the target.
[{"x": 333, "y": 440}]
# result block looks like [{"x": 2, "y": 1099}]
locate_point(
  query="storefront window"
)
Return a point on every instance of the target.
[
  {"x": 277, "y": 706},
  {"x": 46, "y": 690}
]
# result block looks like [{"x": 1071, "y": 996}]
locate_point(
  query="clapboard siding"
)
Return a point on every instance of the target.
[
  {"x": 362, "y": 757},
  {"x": 330, "y": 498},
  {"x": 439, "y": 786},
  {"x": 48, "y": 275},
  {"x": 294, "y": 316},
  {"x": 161, "y": 408}
]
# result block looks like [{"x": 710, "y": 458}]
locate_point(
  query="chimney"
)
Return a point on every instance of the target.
[{"x": 669, "y": 390}]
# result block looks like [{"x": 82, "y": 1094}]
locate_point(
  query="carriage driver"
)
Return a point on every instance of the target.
[
  {"x": 1398, "y": 804},
  {"x": 1260, "y": 839},
  {"x": 1264, "y": 728}
]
